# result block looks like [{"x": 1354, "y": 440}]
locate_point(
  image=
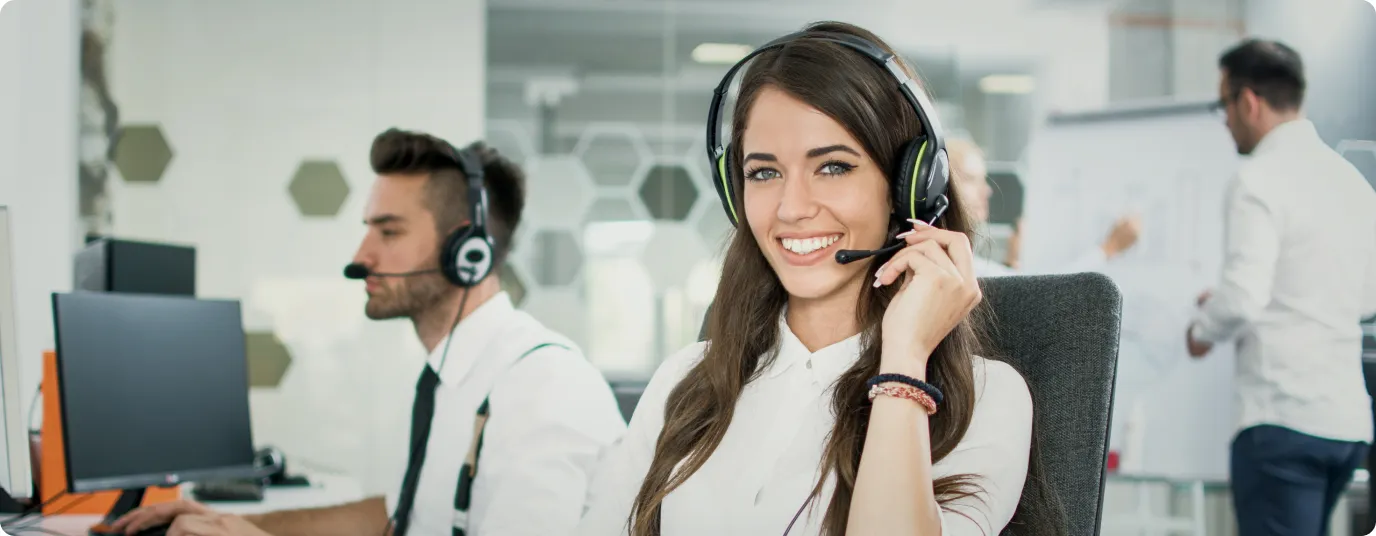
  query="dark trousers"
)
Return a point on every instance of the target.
[{"x": 1286, "y": 482}]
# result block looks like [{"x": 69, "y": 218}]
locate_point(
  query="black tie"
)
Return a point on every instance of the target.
[{"x": 421, "y": 414}]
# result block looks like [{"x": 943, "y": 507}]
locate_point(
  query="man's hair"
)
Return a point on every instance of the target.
[
  {"x": 446, "y": 190},
  {"x": 1270, "y": 69}
]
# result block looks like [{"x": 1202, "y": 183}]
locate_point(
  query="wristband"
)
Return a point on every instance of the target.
[{"x": 928, "y": 388}]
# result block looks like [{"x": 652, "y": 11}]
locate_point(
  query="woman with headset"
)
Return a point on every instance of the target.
[{"x": 833, "y": 396}]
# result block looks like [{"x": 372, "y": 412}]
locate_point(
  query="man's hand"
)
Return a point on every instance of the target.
[
  {"x": 1203, "y": 297},
  {"x": 158, "y": 514},
  {"x": 213, "y": 524},
  {"x": 1123, "y": 235},
  {"x": 1197, "y": 348}
]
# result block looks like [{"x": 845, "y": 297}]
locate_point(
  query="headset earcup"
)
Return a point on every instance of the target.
[
  {"x": 449, "y": 254},
  {"x": 911, "y": 179},
  {"x": 724, "y": 182}
]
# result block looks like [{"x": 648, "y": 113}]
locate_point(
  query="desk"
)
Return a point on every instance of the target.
[{"x": 325, "y": 490}]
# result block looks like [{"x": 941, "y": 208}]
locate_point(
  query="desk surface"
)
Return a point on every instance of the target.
[{"x": 325, "y": 490}]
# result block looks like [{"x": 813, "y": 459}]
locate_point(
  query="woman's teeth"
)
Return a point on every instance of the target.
[{"x": 803, "y": 246}]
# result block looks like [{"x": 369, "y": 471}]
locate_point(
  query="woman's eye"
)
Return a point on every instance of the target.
[
  {"x": 763, "y": 174},
  {"x": 836, "y": 168}
]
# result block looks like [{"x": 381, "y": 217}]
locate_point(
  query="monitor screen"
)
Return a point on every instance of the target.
[{"x": 154, "y": 389}]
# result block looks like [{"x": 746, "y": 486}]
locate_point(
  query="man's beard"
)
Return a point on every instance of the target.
[{"x": 407, "y": 297}]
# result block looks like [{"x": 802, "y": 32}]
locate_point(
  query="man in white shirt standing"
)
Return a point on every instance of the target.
[
  {"x": 1299, "y": 273},
  {"x": 509, "y": 418},
  {"x": 970, "y": 173}
]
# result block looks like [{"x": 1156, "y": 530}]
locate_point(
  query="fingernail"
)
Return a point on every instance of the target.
[
  {"x": 917, "y": 222},
  {"x": 877, "y": 282},
  {"x": 905, "y": 233}
]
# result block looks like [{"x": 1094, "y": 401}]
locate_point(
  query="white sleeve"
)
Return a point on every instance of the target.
[
  {"x": 987, "y": 268},
  {"x": 1251, "y": 247},
  {"x": 1092, "y": 260},
  {"x": 620, "y": 473},
  {"x": 994, "y": 451},
  {"x": 552, "y": 416},
  {"x": 1369, "y": 304}
]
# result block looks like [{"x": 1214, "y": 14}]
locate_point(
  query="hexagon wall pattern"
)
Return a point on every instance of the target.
[
  {"x": 268, "y": 359},
  {"x": 318, "y": 188},
  {"x": 668, "y": 192},
  {"x": 612, "y": 156},
  {"x": 142, "y": 153},
  {"x": 611, "y": 209},
  {"x": 512, "y": 283},
  {"x": 558, "y": 190},
  {"x": 556, "y": 258}
]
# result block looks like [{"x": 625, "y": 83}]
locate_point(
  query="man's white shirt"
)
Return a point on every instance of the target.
[
  {"x": 551, "y": 415},
  {"x": 1299, "y": 273}
]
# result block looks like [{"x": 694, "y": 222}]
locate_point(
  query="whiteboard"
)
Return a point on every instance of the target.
[{"x": 1170, "y": 164}]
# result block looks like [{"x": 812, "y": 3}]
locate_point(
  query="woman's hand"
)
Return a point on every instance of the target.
[{"x": 938, "y": 290}]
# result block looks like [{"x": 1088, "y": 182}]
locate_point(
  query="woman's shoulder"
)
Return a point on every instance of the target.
[{"x": 997, "y": 382}]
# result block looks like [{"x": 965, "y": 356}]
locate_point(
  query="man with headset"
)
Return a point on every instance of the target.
[
  {"x": 509, "y": 418},
  {"x": 1299, "y": 274}
]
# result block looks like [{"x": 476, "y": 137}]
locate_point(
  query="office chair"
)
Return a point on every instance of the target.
[{"x": 1061, "y": 333}]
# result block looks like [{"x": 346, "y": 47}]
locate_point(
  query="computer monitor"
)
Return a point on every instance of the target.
[
  {"x": 15, "y": 479},
  {"x": 153, "y": 391}
]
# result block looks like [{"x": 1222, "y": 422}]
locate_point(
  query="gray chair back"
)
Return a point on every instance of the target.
[{"x": 1061, "y": 333}]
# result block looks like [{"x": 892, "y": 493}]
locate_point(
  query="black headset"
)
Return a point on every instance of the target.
[
  {"x": 466, "y": 255},
  {"x": 923, "y": 172}
]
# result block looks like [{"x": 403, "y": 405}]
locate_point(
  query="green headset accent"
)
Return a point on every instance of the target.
[{"x": 923, "y": 172}]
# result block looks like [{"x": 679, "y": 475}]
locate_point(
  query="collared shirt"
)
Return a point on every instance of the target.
[
  {"x": 767, "y": 463},
  {"x": 551, "y": 416},
  {"x": 1299, "y": 272}
]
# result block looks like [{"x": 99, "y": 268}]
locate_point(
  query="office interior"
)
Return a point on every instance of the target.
[{"x": 231, "y": 138}]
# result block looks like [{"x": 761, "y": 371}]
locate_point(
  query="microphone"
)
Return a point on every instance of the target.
[
  {"x": 359, "y": 271},
  {"x": 847, "y": 256}
]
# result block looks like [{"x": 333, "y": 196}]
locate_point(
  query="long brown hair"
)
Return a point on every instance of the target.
[{"x": 742, "y": 328}]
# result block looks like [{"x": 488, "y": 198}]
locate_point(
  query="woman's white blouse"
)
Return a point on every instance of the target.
[{"x": 767, "y": 463}]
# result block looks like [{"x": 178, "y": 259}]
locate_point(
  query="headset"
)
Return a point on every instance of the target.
[
  {"x": 923, "y": 171},
  {"x": 466, "y": 255}
]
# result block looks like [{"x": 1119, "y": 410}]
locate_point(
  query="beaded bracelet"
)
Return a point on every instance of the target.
[
  {"x": 906, "y": 392},
  {"x": 928, "y": 388}
]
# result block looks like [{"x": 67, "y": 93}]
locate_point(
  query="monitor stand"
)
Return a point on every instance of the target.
[{"x": 128, "y": 500}]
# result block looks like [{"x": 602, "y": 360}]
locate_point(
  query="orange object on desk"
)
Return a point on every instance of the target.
[{"x": 53, "y": 466}]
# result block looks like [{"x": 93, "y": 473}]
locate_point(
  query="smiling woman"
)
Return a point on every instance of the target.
[{"x": 833, "y": 397}]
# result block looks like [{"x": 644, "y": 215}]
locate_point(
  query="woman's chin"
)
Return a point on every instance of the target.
[{"x": 815, "y": 286}]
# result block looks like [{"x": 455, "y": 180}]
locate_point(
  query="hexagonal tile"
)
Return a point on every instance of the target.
[
  {"x": 714, "y": 228},
  {"x": 562, "y": 189},
  {"x": 318, "y": 188},
  {"x": 268, "y": 359},
  {"x": 612, "y": 153},
  {"x": 142, "y": 153},
  {"x": 674, "y": 249},
  {"x": 1362, "y": 154},
  {"x": 512, "y": 283},
  {"x": 555, "y": 257},
  {"x": 611, "y": 209},
  {"x": 511, "y": 139},
  {"x": 668, "y": 192}
]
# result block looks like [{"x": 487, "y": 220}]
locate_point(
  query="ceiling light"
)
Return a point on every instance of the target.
[
  {"x": 1008, "y": 84},
  {"x": 720, "y": 52}
]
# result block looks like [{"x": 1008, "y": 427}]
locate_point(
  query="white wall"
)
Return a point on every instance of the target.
[
  {"x": 38, "y": 96},
  {"x": 244, "y": 91}
]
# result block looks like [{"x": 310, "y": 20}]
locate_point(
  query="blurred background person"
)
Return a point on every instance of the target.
[
  {"x": 1293, "y": 292},
  {"x": 970, "y": 173}
]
